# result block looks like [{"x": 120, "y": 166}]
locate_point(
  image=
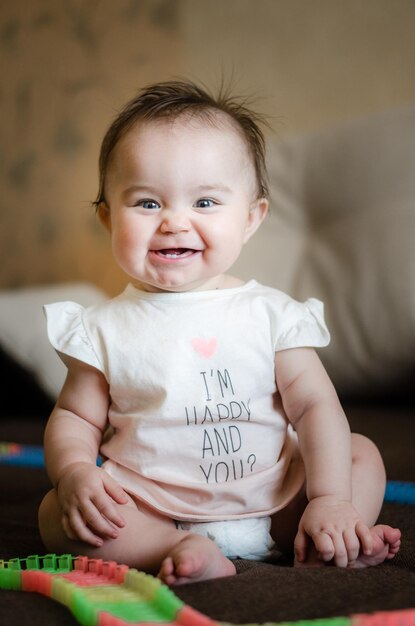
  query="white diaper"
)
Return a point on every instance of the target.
[{"x": 246, "y": 538}]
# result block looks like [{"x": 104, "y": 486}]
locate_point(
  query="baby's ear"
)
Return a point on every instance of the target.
[
  {"x": 257, "y": 213},
  {"x": 104, "y": 215}
]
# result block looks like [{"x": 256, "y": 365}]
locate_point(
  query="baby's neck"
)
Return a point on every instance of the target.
[
  {"x": 229, "y": 282},
  {"x": 224, "y": 281}
]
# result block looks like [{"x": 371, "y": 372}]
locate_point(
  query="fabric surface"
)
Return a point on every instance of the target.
[
  {"x": 199, "y": 433},
  {"x": 260, "y": 591}
]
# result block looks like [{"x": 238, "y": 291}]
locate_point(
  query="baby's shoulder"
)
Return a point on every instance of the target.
[
  {"x": 272, "y": 296},
  {"x": 108, "y": 308}
]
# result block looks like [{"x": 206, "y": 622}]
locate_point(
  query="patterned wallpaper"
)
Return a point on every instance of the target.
[{"x": 66, "y": 68}]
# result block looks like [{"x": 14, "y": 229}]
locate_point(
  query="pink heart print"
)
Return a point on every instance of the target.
[{"x": 205, "y": 347}]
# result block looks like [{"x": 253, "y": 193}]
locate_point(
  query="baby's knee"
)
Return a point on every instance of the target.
[
  {"x": 49, "y": 502},
  {"x": 362, "y": 446},
  {"x": 365, "y": 452},
  {"x": 48, "y": 514}
]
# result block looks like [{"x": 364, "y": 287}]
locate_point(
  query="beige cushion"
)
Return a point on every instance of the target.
[
  {"x": 342, "y": 229},
  {"x": 23, "y": 328}
]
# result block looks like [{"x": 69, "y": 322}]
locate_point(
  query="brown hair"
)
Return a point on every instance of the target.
[{"x": 171, "y": 99}]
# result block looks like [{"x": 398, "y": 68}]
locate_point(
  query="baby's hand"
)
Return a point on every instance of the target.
[
  {"x": 336, "y": 530},
  {"x": 87, "y": 494}
]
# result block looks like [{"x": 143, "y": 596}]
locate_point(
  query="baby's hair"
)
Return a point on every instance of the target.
[{"x": 171, "y": 99}]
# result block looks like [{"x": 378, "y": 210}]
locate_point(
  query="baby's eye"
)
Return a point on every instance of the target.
[
  {"x": 148, "y": 204},
  {"x": 204, "y": 203}
]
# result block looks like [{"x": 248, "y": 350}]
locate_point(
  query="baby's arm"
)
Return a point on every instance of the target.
[
  {"x": 312, "y": 406},
  {"x": 72, "y": 438}
]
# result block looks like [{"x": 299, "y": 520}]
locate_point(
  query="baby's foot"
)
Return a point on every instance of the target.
[
  {"x": 386, "y": 543},
  {"x": 194, "y": 558}
]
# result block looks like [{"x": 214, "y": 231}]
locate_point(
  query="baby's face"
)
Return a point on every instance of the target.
[{"x": 181, "y": 203}]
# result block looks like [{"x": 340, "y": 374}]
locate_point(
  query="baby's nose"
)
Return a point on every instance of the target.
[{"x": 174, "y": 221}]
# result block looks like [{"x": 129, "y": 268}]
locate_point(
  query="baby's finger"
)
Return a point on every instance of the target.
[
  {"x": 352, "y": 544},
  {"x": 67, "y": 528},
  {"x": 107, "y": 509},
  {"x": 115, "y": 490},
  {"x": 324, "y": 546},
  {"x": 365, "y": 538},
  {"x": 81, "y": 531},
  {"x": 341, "y": 557},
  {"x": 300, "y": 546},
  {"x": 96, "y": 522}
]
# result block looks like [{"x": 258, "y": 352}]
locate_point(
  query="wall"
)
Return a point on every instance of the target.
[
  {"x": 311, "y": 62},
  {"x": 66, "y": 67}
]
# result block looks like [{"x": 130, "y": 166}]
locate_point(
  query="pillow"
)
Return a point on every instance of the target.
[
  {"x": 342, "y": 229},
  {"x": 23, "y": 329}
]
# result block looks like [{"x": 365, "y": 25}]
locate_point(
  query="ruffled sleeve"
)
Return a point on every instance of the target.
[
  {"x": 302, "y": 325},
  {"x": 67, "y": 334}
]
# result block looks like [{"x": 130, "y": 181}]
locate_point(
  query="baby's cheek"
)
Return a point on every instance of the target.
[{"x": 125, "y": 239}]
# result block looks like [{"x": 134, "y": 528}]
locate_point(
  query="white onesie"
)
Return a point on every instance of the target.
[{"x": 198, "y": 429}]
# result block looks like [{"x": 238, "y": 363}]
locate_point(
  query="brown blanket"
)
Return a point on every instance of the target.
[{"x": 260, "y": 592}]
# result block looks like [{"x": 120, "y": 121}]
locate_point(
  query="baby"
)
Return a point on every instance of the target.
[{"x": 220, "y": 431}]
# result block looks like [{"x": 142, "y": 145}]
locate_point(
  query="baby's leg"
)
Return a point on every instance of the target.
[
  {"x": 194, "y": 558},
  {"x": 368, "y": 489},
  {"x": 148, "y": 541}
]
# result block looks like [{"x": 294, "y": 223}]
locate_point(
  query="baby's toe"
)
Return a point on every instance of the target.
[{"x": 166, "y": 573}]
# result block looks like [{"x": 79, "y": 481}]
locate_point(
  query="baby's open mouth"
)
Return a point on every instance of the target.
[{"x": 175, "y": 253}]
